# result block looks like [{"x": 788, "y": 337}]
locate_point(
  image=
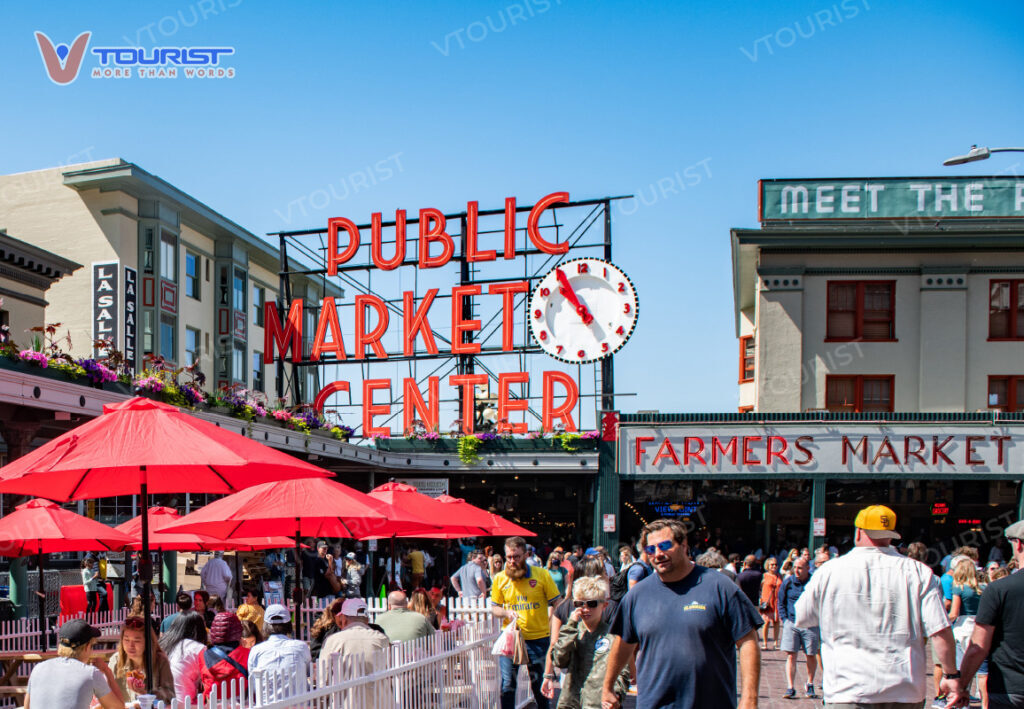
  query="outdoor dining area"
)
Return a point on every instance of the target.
[{"x": 271, "y": 500}]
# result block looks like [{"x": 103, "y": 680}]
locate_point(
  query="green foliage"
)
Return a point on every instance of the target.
[{"x": 469, "y": 447}]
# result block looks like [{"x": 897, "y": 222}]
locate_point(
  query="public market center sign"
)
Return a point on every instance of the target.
[{"x": 891, "y": 198}]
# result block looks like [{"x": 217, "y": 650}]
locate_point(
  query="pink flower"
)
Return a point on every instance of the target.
[{"x": 33, "y": 357}]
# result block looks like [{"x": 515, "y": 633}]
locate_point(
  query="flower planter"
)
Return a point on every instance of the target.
[
  {"x": 18, "y": 365},
  {"x": 118, "y": 387},
  {"x": 500, "y": 445}
]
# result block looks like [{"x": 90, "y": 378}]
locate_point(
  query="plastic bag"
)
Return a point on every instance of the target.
[{"x": 506, "y": 643}]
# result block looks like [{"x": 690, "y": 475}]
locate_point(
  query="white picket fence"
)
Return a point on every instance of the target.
[
  {"x": 468, "y": 610},
  {"x": 449, "y": 670}
]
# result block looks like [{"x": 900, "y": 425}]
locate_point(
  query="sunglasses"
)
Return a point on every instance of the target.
[
  {"x": 134, "y": 623},
  {"x": 589, "y": 604},
  {"x": 651, "y": 549}
]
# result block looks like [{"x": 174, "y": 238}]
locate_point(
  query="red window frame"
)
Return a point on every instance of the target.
[
  {"x": 746, "y": 409},
  {"x": 859, "y": 312},
  {"x": 1015, "y": 326},
  {"x": 747, "y": 373},
  {"x": 1014, "y": 384},
  {"x": 856, "y": 405}
]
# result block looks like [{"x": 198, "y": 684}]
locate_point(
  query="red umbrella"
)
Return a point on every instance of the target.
[
  {"x": 452, "y": 521},
  {"x": 312, "y": 507},
  {"x": 40, "y": 527},
  {"x": 496, "y": 526},
  {"x": 141, "y": 446}
]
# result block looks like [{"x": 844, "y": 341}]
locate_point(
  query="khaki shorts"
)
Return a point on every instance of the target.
[{"x": 883, "y": 705}]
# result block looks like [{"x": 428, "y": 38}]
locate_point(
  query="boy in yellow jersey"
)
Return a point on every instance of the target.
[{"x": 523, "y": 594}]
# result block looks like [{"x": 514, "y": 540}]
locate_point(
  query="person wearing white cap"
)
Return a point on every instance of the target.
[
  {"x": 999, "y": 634},
  {"x": 280, "y": 656},
  {"x": 356, "y": 638},
  {"x": 876, "y": 610}
]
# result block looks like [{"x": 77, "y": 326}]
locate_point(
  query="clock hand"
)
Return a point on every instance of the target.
[{"x": 570, "y": 295}]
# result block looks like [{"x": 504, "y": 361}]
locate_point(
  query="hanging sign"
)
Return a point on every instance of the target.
[
  {"x": 130, "y": 288},
  {"x": 104, "y": 301}
]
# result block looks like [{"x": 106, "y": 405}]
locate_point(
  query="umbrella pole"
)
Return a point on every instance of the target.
[
  {"x": 298, "y": 584},
  {"x": 146, "y": 573},
  {"x": 42, "y": 601},
  {"x": 238, "y": 580},
  {"x": 394, "y": 568}
]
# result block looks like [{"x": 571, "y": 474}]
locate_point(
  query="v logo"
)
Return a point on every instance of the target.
[{"x": 62, "y": 64}]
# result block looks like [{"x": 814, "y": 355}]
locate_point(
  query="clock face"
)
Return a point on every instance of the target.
[{"x": 583, "y": 310}]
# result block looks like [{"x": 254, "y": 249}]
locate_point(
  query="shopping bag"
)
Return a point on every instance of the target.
[
  {"x": 520, "y": 657},
  {"x": 506, "y": 643}
]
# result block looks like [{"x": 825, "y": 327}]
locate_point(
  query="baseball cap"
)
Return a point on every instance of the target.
[
  {"x": 321, "y": 544},
  {"x": 76, "y": 633},
  {"x": 1015, "y": 531},
  {"x": 276, "y": 613},
  {"x": 353, "y": 607},
  {"x": 350, "y": 555},
  {"x": 878, "y": 521},
  {"x": 591, "y": 551}
]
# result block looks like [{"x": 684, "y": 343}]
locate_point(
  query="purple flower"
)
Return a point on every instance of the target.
[
  {"x": 487, "y": 436},
  {"x": 97, "y": 372}
]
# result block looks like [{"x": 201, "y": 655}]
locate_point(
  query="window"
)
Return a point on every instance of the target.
[
  {"x": 861, "y": 310},
  {"x": 257, "y": 371},
  {"x": 1006, "y": 310},
  {"x": 859, "y": 394},
  {"x": 1006, "y": 393},
  {"x": 168, "y": 256},
  {"x": 147, "y": 331},
  {"x": 259, "y": 295},
  {"x": 191, "y": 346},
  {"x": 192, "y": 267},
  {"x": 746, "y": 359},
  {"x": 238, "y": 290},
  {"x": 238, "y": 362},
  {"x": 168, "y": 349},
  {"x": 147, "y": 251}
]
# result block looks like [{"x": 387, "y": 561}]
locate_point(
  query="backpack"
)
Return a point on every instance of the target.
[{"x": 620, "y": 582}]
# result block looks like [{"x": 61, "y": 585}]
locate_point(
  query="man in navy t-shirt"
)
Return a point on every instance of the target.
[{"x": 688, "y": 622}]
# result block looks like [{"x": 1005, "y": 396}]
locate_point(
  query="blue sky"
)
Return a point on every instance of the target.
[{"x": 594, "y": 98}]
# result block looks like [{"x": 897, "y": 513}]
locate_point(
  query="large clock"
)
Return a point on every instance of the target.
[{"x": 583, "y": 310}]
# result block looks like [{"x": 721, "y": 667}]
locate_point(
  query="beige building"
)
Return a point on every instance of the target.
[
  {"x": 26, "y": 274},
  {"x": 165, "y": 275},
  {"x": 898, "y": 313}
]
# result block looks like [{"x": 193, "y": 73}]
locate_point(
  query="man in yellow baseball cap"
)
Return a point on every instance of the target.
[
  {"x": 873, "y": 604},
  {"x": 878, "y": 522}
]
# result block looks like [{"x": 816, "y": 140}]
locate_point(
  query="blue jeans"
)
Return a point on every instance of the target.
[{"x": 536, "y": 652}]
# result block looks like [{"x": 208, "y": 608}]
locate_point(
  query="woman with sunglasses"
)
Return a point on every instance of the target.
[
  {"x": 582, "y": 648},
  {"x": 128, "y": 664}
]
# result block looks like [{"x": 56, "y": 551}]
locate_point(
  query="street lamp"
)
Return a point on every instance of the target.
[{"x": 976, "y": 153}]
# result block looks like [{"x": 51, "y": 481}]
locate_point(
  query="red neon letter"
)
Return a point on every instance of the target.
[
  {"x": 415, "y": 321},
  {"x": 472, "y": 230},
  {"x": 999, "y": 441},
  {"x": 510, "y": 228},
  {"x": 780, "y": 454},
  {"x": 748, "y": 455},
  {"x": 328, "y": 321},
  {"x": 729, "y": 449},
  {"x": 432, "y": 224},
  {"x": 335, "y": 259},
  {"x": 467, "y": 382},
  {"x": 531, "y": 224},
  {"x": 371, "y": 409},
  {"x": 459, "y": 326},
  {"x": 332, "y": 388},
  {"x": 507, "y": 405},
  {"x": 508, "y": 292},
  {"x": 847, "y": 448},
  {"x": 667, "y": 450},
  {"x": 377, "y": 241},
  {"x": 564, "y": 410},
  {"x": 415, "y": 407},
  {"x": 688, "y": 453},
  {"x": 364, "y": 338},
  {"x": 291, "y": 337},
  {"x": 639, "y": 442},
  {"x": 916, "y": 453},
  {"x": 808, "y": 455}
]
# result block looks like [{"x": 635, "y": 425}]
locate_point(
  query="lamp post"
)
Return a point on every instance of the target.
[{"x": 976, "y": 153}]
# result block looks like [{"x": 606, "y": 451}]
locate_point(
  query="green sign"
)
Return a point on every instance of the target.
[{"x": 892, "y": 198}]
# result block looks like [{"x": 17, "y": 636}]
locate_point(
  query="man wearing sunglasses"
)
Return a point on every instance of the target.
[{"x": 688, "y": 622}]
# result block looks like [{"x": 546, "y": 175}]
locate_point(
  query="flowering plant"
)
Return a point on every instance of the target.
[
  {"x": 191, "y": 395},
  {"x": 149, "y": 383},
  {"x": 96, "y": 371},
  {"x": 34, "y": 357},
  {"x": 469, "y": 447},
  {"x": 591, "y": 435},
  {"x": 341, "y": 432},
  {"x": 281, "y": 415}
]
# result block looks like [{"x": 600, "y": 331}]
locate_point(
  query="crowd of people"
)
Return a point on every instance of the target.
[{"x": 677, "y": 629}]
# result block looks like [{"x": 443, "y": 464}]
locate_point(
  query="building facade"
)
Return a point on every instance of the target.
[{"x": 180, "y": 281}]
